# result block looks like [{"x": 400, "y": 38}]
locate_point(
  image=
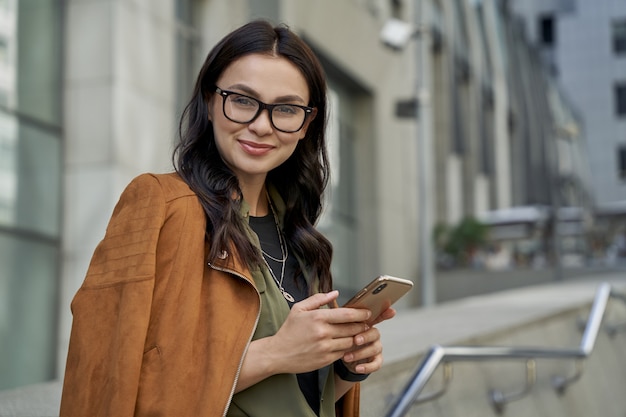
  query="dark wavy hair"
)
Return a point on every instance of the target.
[{"x": 300, "y": 180}]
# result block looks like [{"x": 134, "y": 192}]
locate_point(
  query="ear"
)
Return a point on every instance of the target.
[{"x": 308, "y": 121}]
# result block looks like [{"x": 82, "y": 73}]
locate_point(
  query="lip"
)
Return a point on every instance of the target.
[{"x": 254, "y": 148}]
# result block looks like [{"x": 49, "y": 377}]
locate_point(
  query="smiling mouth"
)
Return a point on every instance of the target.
[{"x": 254, "y": 148}]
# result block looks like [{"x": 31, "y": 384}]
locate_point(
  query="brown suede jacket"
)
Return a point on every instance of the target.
[{"x": 156, "y": 331}]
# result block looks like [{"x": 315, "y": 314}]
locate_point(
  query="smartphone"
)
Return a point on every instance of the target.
[{"x": 380, "y": 294}]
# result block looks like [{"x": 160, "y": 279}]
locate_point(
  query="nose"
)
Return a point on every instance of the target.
[{"x": 262, "y": 125}]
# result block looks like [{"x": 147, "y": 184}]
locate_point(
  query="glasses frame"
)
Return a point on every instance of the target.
[{"x": 308, "y": 111}]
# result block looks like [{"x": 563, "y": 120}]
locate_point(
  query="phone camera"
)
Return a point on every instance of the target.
[{"x": 379, "y": 288}]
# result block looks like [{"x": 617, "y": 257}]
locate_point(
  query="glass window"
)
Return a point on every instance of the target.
[
  {"x": 460, "y": 105},
  {"x": 462, "y": 38},
  {"x": 30, "y": 190},
  {"x": 38, "y": 70},
  {"x": 7, "y": 54},
  {"x": 187, "y": 50},
  {"x": 619, "y": 36},
  {"x": 621, "y": 162},
  {"x": 547, "y": 30},
  {"x": 620, "y": 99},
  {"x": 484, "y": 37},
  {"x": 4, "y": 52},
  {"x": 397, "y": 9},
  {"x": 501, "y": 36},
  {"x": 30, "y": 177},
  {"x": 8, "y": 169},
  {"x": 486, "y": 139},
  {"x": 28, "y": 310},
  {"x": 338, "y": 222}
]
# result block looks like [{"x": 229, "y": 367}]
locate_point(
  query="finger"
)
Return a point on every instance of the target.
[
  {"x": 363, "y": 353},
  {"x": 369, "y": 336},
  {"x": 371, "y": 366},
  {"x": 348, "y": 315},
  {"x": 365, "y": 366},
  {"x": 315, "y": 301},
  {"x": 340, "y": 345},
  {"x": 348, "y": 330},
  {"x": 385, "y": 315}
]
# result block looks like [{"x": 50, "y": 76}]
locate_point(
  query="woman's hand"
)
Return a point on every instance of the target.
[
  {"x": 366, "y": 356},
  {"x": 309, "y": 339}
]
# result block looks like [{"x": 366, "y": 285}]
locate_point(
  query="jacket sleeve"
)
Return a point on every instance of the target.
[{"x": 111, "y": 310}]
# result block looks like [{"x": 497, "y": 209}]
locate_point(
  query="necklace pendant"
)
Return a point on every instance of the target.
[{"x": 288, "y": 296}]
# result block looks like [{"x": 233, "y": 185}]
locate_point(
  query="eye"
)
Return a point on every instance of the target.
[
  {"x": 287, "y": 110},
  {"x": 242, "y": 101}
]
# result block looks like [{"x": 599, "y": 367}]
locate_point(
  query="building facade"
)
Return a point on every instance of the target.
[
  {"x": 91, "y": 92},
  {"x": 584, "y": 46},
  {"x": 31, "y": 184}
]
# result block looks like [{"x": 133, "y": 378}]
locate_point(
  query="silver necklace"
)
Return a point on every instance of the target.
[{"x": 284, "y": 251}]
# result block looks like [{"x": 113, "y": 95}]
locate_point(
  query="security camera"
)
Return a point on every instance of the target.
[{"x": 396, "y": 33}]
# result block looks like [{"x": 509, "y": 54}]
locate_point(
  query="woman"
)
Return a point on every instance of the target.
[{"x": 209, "y": 293}]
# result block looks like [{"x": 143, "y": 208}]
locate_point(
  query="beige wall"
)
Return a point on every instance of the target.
[{"x": 119, "y": 119}]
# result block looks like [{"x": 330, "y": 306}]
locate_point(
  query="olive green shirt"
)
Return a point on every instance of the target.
[{"x": 278, "y": 395}]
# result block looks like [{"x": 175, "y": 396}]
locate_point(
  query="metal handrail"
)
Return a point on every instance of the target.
[{"x": 440, "y": 354}]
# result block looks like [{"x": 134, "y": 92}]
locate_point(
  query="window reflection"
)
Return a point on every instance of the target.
[
  {"x": 30, "y": 188},
  {"x": 338, "y": 221},
  {"x": 7, "y": 54},
  {"x": 8, "y": 165}
]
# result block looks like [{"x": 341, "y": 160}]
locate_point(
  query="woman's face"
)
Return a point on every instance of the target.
[{"x": 253, "y": 149}]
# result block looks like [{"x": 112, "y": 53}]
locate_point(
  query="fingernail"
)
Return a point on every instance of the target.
[
  {"x": 360, "y": 340},
  {"x": 348, "y": 357}
]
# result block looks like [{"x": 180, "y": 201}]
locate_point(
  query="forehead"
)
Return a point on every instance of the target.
[{"x": 268, "y": 75}]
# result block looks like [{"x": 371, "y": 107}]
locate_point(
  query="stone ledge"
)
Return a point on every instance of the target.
[
  {"x": 413, "y": 332},
  {"x": 37, "y": 400}
]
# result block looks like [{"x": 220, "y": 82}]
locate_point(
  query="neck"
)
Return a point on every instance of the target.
[{"x": 256, "y": 197}]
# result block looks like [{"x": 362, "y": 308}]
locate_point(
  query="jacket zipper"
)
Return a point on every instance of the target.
[{"x": 256, "y": 322}]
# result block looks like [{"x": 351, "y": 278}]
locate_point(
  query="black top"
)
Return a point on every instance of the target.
[{"x": 266, "y": 229}]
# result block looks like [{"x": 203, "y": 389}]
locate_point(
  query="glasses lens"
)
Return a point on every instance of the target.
[
  {"x": 240, "y": 109},
  {"x": 288, "y": 118}
]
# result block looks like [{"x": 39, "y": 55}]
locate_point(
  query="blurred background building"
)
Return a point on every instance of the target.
[
  {"x": 583, "y": 46},
  {"x": 91, "y": 92}
]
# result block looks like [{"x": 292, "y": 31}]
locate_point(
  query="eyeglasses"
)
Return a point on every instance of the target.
[{"x": 239, "y": 108}]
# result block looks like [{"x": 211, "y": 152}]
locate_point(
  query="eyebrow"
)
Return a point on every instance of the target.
[{"x": 281, "y": 99}]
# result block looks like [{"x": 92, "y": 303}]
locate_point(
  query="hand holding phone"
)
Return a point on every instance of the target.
[{"x": 380, "y": 294}]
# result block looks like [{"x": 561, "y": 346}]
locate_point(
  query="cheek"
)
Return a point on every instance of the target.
[{"x": 291, "y": 141}]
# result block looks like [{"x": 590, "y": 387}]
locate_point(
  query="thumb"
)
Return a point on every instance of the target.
[{"x": 315, "y": 301}]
